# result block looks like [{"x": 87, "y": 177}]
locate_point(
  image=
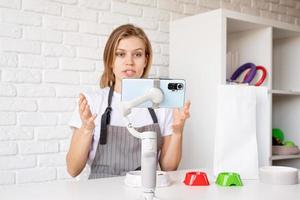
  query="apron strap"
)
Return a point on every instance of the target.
[
  {"x": 153, "y": 115},
  {"x": 105, "y": 118}
]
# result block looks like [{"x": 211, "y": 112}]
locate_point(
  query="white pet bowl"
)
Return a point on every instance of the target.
[
  {"x": 133, "y": 179},
  {"x": 278, "y": 175}
]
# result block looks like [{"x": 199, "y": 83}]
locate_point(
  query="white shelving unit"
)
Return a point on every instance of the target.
[
  {"x": 205, "y": 49},
  {"x": 285, "y": 92},
  {"x": 285, "y": 157}
]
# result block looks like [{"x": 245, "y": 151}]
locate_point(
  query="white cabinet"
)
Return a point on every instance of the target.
[{"x": 205, "y": 49}]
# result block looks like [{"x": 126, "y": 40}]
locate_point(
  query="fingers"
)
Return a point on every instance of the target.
[
  {"x": 81, "y": 97},
  {"x": 184, "y": 114},
  {"x": 92, "y": 118},
  {"x": 187, "y": 106},
  {"x": 89, "y": 123},
  {"x": 186, "y": 109},
  {"x": 87, "y": 111},
  {"x": 81, "y": 102},
  {"x": 176, "y": 111},
  {"x": 180, "y": 117},
  {"x": 84, "y": 108}
]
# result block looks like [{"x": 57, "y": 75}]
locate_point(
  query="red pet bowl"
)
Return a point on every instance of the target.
[{"x": 196, "y": 179}]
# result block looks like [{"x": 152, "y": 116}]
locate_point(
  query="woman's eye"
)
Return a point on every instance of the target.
[
  {"x": 138, "y": 54},
  {"x": 120, "y": 54}
]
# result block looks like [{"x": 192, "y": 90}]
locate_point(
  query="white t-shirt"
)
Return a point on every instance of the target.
[{"x": 138, "y": 117}]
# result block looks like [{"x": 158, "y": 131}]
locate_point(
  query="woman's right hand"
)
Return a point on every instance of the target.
[{"x": 86, "y": 116}]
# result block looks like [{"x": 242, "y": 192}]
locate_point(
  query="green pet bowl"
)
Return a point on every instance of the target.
[
  {"x": 229, "y": 179},
  {"x": 278, "y": 134}
]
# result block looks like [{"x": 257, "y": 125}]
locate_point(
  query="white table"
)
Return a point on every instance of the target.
[{"x": 114, "y": 188}]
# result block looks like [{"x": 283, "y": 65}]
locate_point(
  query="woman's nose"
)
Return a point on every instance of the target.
[{"x": 129, "y": 59}]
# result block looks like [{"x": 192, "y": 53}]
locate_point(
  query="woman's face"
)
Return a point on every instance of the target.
[{"x": 130, "y": 59}]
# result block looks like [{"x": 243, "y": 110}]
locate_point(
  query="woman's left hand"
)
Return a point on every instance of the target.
[{"x": 179, "y": 117}]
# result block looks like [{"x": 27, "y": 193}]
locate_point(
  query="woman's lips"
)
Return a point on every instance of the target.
[{"x": 128, "y": 73}]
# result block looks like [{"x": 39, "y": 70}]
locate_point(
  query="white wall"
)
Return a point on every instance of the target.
[{"x": 52, "y": 49}]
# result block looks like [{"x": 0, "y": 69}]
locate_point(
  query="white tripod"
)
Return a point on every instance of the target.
[{"x": 149, "y": 142}]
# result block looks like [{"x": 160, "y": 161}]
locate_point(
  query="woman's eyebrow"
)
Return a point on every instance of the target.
[{"x": 132, "y": 50}]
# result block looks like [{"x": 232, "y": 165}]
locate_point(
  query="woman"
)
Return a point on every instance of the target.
[{"x": 100, "y": 137}]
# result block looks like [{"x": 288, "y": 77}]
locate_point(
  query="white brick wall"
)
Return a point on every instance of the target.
[
  {"x": 17, "y": 105},
  {"x": 37, "y": 119},
  {"x": 11, "y": 133},
  {"x": 19, "y": 46},
  {"x": 50, "y": 50},
  {"x": 7, "y": 178},
  {"x": 40, "y": 34},
  {"x": 12, "y": 16},
  {"x": 8, "y": 60},
  {"x": 21, "y": 76},
  {"x": 17, "y": 162},
  {"x": 37, "y": 61},
  {"x": 38, "y": 147},
  {"x": 58, "y": 50},
  {"x": 7, "y": 90},
  {"x": 10, "y": 3},
  {"x": 9, "y": 30},
  {"x": 7, "y": 118},
  {"x": 8, "y": 148}
]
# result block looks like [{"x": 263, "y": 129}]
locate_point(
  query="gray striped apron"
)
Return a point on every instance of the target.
[{"x": 118, "y": 151}]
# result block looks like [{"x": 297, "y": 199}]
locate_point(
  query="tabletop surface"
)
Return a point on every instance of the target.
[{"x": 114, "y": 188}]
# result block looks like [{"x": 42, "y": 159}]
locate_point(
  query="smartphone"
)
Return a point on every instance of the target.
[{"x": 172, "y": 89}]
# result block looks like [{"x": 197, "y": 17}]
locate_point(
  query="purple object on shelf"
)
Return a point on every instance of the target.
[{"x": 241, "y": 69}]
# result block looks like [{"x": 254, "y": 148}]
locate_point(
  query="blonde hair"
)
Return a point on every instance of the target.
[{"x": 121, "y": 32}]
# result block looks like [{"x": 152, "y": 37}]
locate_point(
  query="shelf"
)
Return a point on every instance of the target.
[
  {"x": 286, "y": 92},
  {"x": 285, "y": 63},
  {"x": 285, "y": 157},
  {"x": 233, "y": 39}
]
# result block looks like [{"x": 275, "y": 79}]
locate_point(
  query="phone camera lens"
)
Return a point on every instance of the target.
[
  {"x": 175, "y": 86},
  {"x": 171, "y": 86},
  {"x": 179, "y": 86}
]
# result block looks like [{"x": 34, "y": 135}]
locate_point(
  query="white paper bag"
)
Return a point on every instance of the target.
[
  {"x": 235, "y": 139},
  {"x": 263, "y": 125}
]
